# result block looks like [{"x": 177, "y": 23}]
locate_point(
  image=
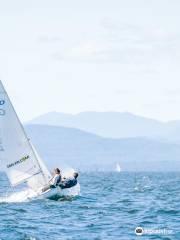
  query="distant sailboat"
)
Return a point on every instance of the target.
[{"x": 118, "y": 168}]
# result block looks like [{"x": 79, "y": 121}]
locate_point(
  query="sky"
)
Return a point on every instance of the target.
[{"x": 73, "y": 56}]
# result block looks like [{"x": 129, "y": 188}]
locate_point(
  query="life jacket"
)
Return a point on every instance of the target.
[
  {"x": 58, "y": 180},
  {"x": 68, "y": 183}
]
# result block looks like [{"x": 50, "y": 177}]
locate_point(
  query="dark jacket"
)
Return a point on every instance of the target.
[{"x": 68, "y": 183}]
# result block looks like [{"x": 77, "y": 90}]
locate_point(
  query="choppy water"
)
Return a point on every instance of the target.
[{"x": 111, "y": 206}]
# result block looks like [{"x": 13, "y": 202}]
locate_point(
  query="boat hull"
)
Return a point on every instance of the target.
[{"x": 57, "y": 192}]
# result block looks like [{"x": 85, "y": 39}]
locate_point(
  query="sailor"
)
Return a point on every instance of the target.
[
  {"x": 54, "y": 181},
  {"x": 69, "y": 182}
]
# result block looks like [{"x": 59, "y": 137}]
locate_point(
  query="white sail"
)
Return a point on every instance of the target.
[
  {"x": 18, "y": 158},
  {"x": 37, "y": 181},
  {"x": 118, "y": 168}
]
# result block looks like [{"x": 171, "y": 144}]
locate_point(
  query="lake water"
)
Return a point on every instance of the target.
[{"x": 111, "y": 206}]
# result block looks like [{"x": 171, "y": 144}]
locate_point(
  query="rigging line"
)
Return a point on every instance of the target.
[
  {"x": 20, "y": 175},
  {"x": 25, "y": 180}
]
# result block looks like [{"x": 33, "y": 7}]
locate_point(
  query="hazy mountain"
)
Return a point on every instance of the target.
[
  {"x": 67, "y": 146},
  {"x": 106, "y": 124},
  {"x": 173, "y": 132},
  {"x": 114, "y": 125}
]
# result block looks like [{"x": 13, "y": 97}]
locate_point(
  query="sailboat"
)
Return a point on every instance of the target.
[
  {"x": 18, "y": 157},
  {"x": 118, "y": 168}
]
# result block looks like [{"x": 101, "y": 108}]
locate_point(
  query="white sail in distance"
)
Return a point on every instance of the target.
[
  {"x": 118, "y": 168},
  {"x": 17, "y": 156}
]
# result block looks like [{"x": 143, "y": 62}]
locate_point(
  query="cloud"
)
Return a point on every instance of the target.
[
  {"x": 161, "y": 103},
  {"x": 49, "y": 39},
  {"x": 124, "y": 92},
  {"x": 114, "y": 41},
  {"x": 87, "y": 50},
  {"x": 173, "y": 92}
]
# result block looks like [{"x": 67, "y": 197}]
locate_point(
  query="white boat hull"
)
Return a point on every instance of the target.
[{"x": 58, "y": 192}]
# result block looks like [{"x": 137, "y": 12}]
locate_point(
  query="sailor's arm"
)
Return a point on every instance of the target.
[{"x": 50, "y": 180}]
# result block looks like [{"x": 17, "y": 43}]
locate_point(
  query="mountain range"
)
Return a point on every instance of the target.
[
  {"x": 64, "y": 146},
  {"x": 114, "y": 125}
]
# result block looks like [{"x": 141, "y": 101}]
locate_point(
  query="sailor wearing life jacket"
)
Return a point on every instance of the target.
[
  {"x": 56, "y": 179},
  {"x": 69, "y": 182}
]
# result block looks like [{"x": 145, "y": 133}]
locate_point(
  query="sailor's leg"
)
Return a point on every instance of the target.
[
  {"x": 47, "y": 187},
  {"x": 61, "y": 185}
]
